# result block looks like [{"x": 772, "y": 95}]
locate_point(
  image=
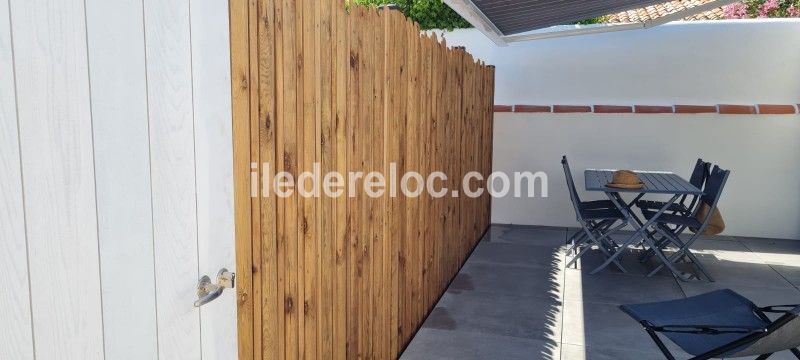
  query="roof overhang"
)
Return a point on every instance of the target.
[{"x": 524, "y": 20}]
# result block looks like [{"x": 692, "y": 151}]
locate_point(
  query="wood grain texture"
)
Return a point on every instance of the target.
[
  {"x": 50, "y": 62},
  {"x": 325, "y": 157},
  {"x": 270, "y": 340},
  {"x": 15, "y": 306},
  {"x": 363, "y": 92},
  {"x": 308, "y": 114},
  {"x": 339, "y": 89},
  {"x": 172, "y": 148},
  {"x": 122, "y": 172},
  {"x": 240, "y": 108}
]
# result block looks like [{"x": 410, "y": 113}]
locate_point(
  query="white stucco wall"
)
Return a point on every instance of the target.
[
  {"x": 741, "y": 61},
  {"x": 762, "y": 197},
  {"x": 734, "y": 62}
]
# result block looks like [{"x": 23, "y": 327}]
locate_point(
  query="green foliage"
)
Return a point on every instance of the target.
[
  {"x": 430, "y": 14},
  {"x": 774, "y": 9},
  {"x": 597, "y": 20}
]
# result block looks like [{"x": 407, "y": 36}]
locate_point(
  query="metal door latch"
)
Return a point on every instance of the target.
[{"x": 208, "y": 291}]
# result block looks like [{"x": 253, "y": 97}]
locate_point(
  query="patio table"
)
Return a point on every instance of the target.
[{"x": 655, "y": 182}]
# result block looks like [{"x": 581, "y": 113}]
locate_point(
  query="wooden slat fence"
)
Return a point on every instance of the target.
[{"x": 358, "y": 90}]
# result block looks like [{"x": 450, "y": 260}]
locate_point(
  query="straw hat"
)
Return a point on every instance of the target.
[{"x": 625, "y": 179}]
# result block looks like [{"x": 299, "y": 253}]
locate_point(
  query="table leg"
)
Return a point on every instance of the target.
[
  {"x": 640, "y": 229},
  {"x": 630, "y": 208},
  {"x": 670, "y": 262}
]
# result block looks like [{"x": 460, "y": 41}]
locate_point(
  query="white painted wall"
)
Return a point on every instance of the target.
[
  {"x": 115, "y": 178},
  {"x": 685, "y": 63},
  {"x": 738, "y": 61},
  {"x": 761, "y": 199}
]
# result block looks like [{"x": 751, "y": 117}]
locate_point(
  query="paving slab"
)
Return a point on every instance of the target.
[
  {"x": 462, "y": 345},
  {"x": 513, "y": 299}
]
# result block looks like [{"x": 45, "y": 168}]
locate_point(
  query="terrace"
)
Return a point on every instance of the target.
[
  {"x": 514, "y": 298},
  {"x": 135, "y": 134},
  {"x": 656, "y": 100}
]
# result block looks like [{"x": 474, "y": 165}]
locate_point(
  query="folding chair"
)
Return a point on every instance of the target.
[
  {"x": 713, "y": 191},
  {"x": 587, "y": 205},
  {"x": 597, "y": 219},
  {"x": 719, "y": 324},
  {"x": 697, "y": 178}
]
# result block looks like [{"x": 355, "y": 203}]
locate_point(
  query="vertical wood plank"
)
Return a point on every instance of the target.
[
  {"x": 396, "y": 135},
  {"x": 376, "y": 216},
  {"x": 354, "y": 201},
  {"x": 280, "y": 164},
  {"x": 439, "y": 76},
  {"x": 15, "y": 306},
  {"x": 50, "y": 56},
  {"x": 122, "y": 161},
  {"x": 289, "y": 153},
  {"x": 490, "y": 137},
  {"x": 340, "y": 41},
  {"x": 426, "y": 138},
  {"x": 425, "y": 126},
  {"x": 256, "y": 131},
  {"x": 325, "y": 215},
  {"x": 271, "y": 342},
  {"x": 363, "y": 265},
  {"x": 169, "y": 77},
  {"x": 308, "y": 111},
  {"x": 368, "y": 125},
  {"x": 394, "y": 229},
  {"x": 240, "y": 107}
]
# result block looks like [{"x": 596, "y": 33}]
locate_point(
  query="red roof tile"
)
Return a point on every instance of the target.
[{"x": 659, "y": 10}]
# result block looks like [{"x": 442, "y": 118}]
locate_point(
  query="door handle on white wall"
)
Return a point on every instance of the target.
[{"x": 208, "y": 291}]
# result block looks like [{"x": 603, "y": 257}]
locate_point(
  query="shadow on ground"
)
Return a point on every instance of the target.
[
  {"x": 514, "y": 298},
  {"x": 505, "y": 303}
]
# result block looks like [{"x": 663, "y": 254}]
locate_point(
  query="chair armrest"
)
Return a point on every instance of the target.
[
  {"x": 778, "y": 309},
  {"x": 704, "y": 329}
]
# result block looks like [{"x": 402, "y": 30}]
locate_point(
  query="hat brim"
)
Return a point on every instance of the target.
[{"x": 626, "y": 186}]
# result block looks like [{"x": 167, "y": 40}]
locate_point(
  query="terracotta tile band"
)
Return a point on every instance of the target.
[
  {"x": 725, "y": 109},
  {"x": 736, "y": 109},
  {"x": 503, "y": 108},
  {"x": 571, "y": 109},
  {"x": 653, "y": 109},
  {"x": 532, "y": 108},
  {"x": 695, "y": 109},
  {"x": 612, "y": 109},
  {"x": 776, "y": 109}
]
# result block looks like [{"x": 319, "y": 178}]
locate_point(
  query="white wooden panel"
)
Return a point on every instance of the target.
[
  {"x": 15, "y": 309},
  {"x": 169, "y": 76},
  {"x": 57, "y": 164},
  {"x": 122, "y": 173},
  {"x": 213, "y": 140}
]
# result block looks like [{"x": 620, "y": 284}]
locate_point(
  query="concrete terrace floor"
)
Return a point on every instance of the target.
[{"x": 514, "y": 299}]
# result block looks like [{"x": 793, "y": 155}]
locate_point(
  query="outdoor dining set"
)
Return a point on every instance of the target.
[
  {"x": 718, "y": 324},
  {"x": 692, "y": 206}
]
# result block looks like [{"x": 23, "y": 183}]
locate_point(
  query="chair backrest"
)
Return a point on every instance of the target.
[
  {"x": 712, "y": 193},
  {"x": 700, "y": 173},
  {"x": 573, "y": 193},
  {"x": 714, "y": 184},
  {"x": 782, "y": 334}
]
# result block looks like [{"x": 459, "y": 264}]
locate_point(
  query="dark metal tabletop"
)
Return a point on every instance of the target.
[{"x": 654, "y": 183}]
